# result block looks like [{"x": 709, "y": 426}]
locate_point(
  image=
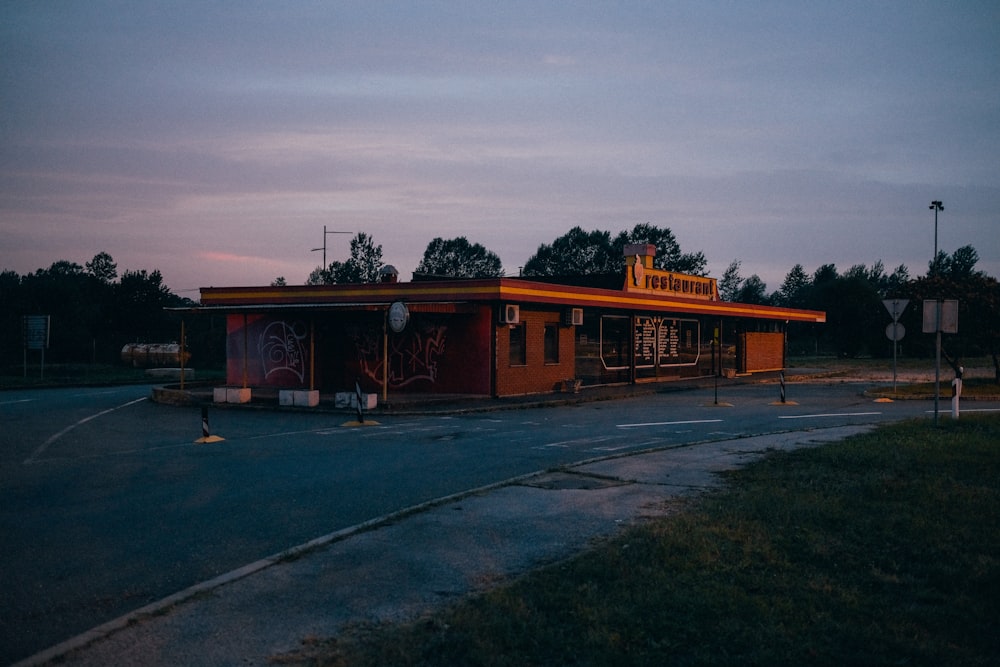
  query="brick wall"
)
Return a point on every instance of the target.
[
  {"x": 535, "y": 376},
  {"x": 761, "y": 352}
]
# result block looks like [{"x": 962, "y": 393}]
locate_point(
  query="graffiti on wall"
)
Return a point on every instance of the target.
[
  {"x": 413, "y": 355},
  {"x": 281, "y": 348}
]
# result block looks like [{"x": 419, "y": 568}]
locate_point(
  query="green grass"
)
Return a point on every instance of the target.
[
  {"x": 971, "y": 388},
  {"x": 880, "y": 550}
]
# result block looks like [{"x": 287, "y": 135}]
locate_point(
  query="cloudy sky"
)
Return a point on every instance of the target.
[{"x": 214, "y": 140}]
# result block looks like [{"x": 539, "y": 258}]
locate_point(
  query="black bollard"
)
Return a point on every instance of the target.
[{"x": 357, "y": 391}]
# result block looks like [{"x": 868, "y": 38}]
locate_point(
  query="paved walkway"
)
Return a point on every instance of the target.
[{"x": 410, "y": 563}]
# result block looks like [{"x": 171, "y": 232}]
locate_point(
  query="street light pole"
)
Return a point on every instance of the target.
[
  {"x": 935, "y": 206},
  {"x": 323, "y": 248}
]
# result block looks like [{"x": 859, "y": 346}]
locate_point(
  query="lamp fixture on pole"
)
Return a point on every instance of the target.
[
  {"x": 323, "y": 248},
  {"x": 935, "y": 206}
]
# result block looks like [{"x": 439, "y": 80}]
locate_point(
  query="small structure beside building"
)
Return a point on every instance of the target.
[{"x": 496, "y": 337}]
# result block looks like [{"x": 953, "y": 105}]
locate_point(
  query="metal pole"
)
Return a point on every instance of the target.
[
  {"x": 937, "y": 206},
  {"x": 715, "y": 375},
  {"x": 894, "y": 335},
  {"x": 182, "y": 354},
  {"x": 937, "y": 362},
  {"x": 385, "y": 357},
  {"x": 312, "y": 354},
  {"x": 323, "y": 248},
  {"x": 246, "y": 351}
]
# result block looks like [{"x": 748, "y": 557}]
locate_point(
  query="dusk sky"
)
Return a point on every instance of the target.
[{"x": 214, "y": 140}]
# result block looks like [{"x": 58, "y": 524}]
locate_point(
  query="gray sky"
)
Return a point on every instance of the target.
[{"x": 212, "y": 141}]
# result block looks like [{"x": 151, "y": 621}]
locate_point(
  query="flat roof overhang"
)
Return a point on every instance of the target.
[{"x": 379, "y": 295}]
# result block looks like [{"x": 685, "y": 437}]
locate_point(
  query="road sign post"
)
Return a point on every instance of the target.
[
  {"x": 895, "y": 331},
  {"x": 36, "y": 333},
  {"x": 940, "y": 316}
]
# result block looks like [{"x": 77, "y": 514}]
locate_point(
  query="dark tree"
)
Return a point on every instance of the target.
[
  {"x": 590, "y": 253},
  {"x": 729, "y": 284},
  {"x": 794, "y": 291},
  {"x": 753, "y": 290},
  {"x": 363, "y": 266},
  {"x": 457, "y": 258},
  {"x": 576, "y": 253},
  {"x": 103, "y": 267},
  {"x": 668, "y": 252},
  {"x": 74, "y": 300},
  {"x": 138, "y": 313}
]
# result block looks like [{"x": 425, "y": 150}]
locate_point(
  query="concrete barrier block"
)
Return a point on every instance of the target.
[
  {"x": 237, "y": 394},
  {"x": 219, "y": 394},
  {"x": 286, "y": 397},
  {"x": 308, "y": 398}
]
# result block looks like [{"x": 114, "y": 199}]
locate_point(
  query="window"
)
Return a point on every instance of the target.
[
  {"x": 552, "y": 343},
  {"x": 615, "y": 349},
  {"x": 518, "y": 349}
]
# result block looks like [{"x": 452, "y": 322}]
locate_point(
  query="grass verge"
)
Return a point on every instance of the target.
[
  {"x": 880, "y": 550},
  {"x": 971, "y": 388}
]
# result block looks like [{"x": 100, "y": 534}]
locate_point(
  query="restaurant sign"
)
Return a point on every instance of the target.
[{"x": 643, "y": 278}]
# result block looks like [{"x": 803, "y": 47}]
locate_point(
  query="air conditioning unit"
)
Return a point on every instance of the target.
[
  {"x": 510, "y": 314},
  {"x": 573, "y": 317}
]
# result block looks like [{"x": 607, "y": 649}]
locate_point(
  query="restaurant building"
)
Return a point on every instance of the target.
[{"x": 496, "y": 337}]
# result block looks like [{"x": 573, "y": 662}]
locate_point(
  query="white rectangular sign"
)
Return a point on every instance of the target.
[
  {"x": 940, "y": 315},
  {"x": 36, "y": 332}
]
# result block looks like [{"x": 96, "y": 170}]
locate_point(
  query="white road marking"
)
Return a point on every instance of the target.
[
  {"x": 578, "y": 441},
  {"x": 20, "y": 400},
  {"x": 691, "y": 421},
  {"x": 831, "y": 414},
  {"x": 45, "y": 445}
]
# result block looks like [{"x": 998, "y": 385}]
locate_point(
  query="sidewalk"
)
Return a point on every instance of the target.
[
  {"x": 401, "y": 566},
  {"x": 416, "y": 403}
]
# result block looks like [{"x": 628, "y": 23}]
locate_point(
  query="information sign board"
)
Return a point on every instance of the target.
[
  {"x": 36, "y": 332},
  {"x": 940, "y": 315}
]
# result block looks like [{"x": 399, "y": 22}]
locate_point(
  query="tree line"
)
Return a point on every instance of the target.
[
  {"x": 95, "y": 311},
  {"x": 852, "y": 299}
]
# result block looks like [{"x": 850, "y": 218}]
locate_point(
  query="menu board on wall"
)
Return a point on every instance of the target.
[
  {"x": 646, "y": 346},
  {"x": 669, "y": 339},
  {"x": 665, "y": 342}
]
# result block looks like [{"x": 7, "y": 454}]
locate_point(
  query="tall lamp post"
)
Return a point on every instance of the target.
[
  {"x": 935, "y": 206},
  {"x": 325, "y": 233}
]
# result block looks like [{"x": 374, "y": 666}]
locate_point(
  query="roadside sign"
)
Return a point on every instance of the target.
[
  {"x": 946, "y": 321},
  {"x": 36, "y": 332},
  {"x": 895, "y": 307},
  {"x": 895, "y": 331}
]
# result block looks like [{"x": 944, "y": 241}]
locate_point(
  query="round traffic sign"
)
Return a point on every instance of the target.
[{"x": 895, "y": 331}]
